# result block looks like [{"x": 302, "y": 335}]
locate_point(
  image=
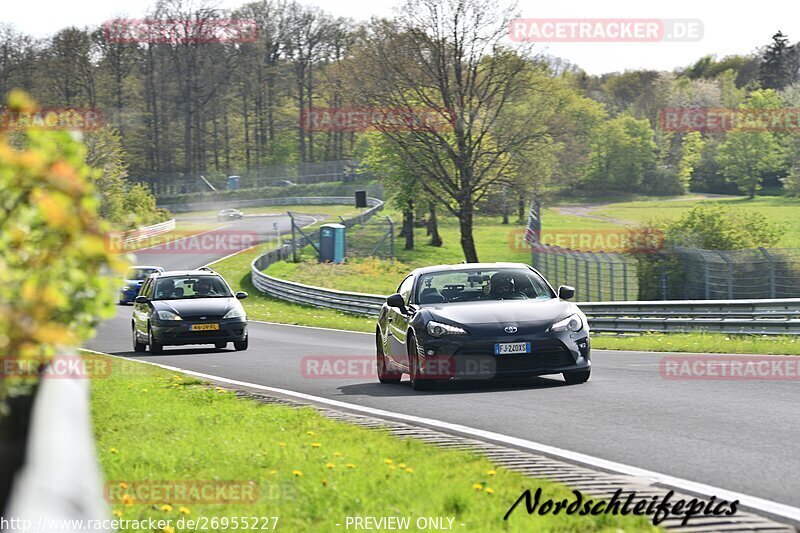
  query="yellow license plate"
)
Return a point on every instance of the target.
[{"x": 203, "y": 327}]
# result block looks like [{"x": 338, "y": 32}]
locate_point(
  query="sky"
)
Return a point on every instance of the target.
[{"x": 727, "y": 28}]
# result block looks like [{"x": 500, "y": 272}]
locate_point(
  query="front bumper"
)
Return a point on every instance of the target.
[
  {"x": 179, "y": 333},
  {"x": 462, "y": 357}
]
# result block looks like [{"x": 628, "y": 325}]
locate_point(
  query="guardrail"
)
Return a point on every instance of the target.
[
  {"x": 762, "y": 317},
  {"x": 140, "y": 234},
  {"x": 257, "y": 202}
]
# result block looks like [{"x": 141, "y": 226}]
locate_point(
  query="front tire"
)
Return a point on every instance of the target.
[
  {"x": 384, "y": 374},
  {"x": 138, "y": 347},
  {"x": 576, "y": 378},
  {"x": 418, "y": 381},
  {"x": 240, "y": 345},
  {"x": 156, "y": 348}
]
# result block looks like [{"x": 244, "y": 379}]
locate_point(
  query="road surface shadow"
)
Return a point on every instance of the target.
[
  {"x": 168, "y": 352},
  {"x": 451, "y": 387}
]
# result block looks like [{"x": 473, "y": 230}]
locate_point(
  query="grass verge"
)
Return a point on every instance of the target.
[
  {"x": 700, "y": 343},
  {"x": 152, "y": 425}
]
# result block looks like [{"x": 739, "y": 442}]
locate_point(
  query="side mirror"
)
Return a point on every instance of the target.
[
  {"x": 241, "y": 295},
  {"x": 141, "y": 300},
  {"x": 396, "y": 300},
  {"x": 565, "y": 292}
]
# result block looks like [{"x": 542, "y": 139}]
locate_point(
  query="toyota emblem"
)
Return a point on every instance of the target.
[{"x": 511, "y": 329}]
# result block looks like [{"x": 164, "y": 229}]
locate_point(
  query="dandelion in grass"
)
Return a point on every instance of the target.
[
  {"x": 388, "y": 461},
  {"x": 337, "y": 454},
  {"x": 350, "y": 465},
  {"x": 330, "y": 466},
  {"x": 310, "y": 433},
  {"x": 166, "y": 508},
  {"x": 127, "y": 500},
  {"x": 184, "y": 510},
  {"x": 113, "y": 450},
  {"x": 123, "y": 485},
  {"x": 491, "y": 472},
  {"x": 477, "y": 486},
  {"x": 488, "y": 490},
  {"x": 401, "y": 465},
  {"x": 168, "y": 529},
  {"x": 315, "y": 444},
  {"x": 410, "y": 470},
  {"x": 297, "y": 473},
  {"x": 117, "y": 513}
]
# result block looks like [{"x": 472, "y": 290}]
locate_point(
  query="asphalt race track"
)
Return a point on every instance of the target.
[{"x": 740, "y": 435}]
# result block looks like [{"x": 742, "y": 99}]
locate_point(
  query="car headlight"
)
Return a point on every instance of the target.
[
  {"x": 571, "y": 323},
  {"x": 168, "y": 315},
  {"x": 437, "y": 329},
  {"x": 236, "y": 312}
]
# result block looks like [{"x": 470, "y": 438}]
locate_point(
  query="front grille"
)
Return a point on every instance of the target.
[{"x": 547, "y": 353}]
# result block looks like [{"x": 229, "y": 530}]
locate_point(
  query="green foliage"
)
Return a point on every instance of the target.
[
  {"x": 691, "y": 155},
  {"x": 714, "y": 226},
  {"x": 623, "y": 151},
  {"x": 52, "y": 248}
]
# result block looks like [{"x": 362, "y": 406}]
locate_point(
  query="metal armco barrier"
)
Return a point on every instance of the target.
[
  {"x": 147, "y": 232},
  {"x": 763, "y": 317}
]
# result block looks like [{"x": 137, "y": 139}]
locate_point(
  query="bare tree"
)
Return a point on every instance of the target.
[{"x": 446, "y": 55}]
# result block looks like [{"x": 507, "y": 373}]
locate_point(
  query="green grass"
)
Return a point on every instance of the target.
[
  {"x": 776, "y": 209},
  {"x": 700, "y": 343},
  {"x": 152, "y": 425}
]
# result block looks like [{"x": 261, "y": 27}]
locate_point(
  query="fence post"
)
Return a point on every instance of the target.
[
  {"x": 391, "y": 236},
  {"x": 294, "y": 242},
  {"x": 771, "y": 260}
]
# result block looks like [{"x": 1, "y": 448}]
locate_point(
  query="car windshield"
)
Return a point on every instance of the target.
[
  {"x": 139, "y": 273},
  {"x": 185, "y": 287},
  {"x": 481, "y": 285}
]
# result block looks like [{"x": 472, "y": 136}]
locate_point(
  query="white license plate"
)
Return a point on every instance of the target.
[{"x": 503, "y": 348}]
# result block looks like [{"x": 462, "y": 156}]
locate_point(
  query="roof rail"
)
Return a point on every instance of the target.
[{"x": 205, "y": 268}]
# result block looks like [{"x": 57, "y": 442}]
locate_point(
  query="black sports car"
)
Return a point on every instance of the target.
[
  {"x": 188, "y": 307},
  {"x": 480, "y": 321}
]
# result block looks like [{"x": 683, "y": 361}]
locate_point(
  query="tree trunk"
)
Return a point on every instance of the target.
[
  {"x": 521, "y": 210},
  {"x": 408, "y": 224},
  {"x": 433, "y": 226},
  {"x": 467, "y": 241}
]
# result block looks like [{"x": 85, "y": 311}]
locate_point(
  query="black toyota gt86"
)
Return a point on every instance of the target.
[{"x": 480, "y": 321}]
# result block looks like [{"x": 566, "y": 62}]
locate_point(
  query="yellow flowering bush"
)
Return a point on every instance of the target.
[{"x": 55, "y": 281}]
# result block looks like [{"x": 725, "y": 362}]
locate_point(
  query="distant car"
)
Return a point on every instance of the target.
[
  {"x": 133, "y": 282},
  {"x": 282, "y": 183},
  {"x": 229, "y": 214},
  {"x": 177, "y": 308},
  {"x": 480, "y": 321}
]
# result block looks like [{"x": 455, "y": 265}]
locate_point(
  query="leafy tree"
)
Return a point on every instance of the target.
[
  {"x": 623, "y": 152},
  {"x": 778, "y": 63},
  {"x": 745, "y": 157},
  {"x": 692, "y": 152},
  {"x": 714, "y": 226}
]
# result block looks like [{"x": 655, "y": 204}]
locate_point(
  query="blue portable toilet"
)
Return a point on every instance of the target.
[
  {"x": 233, "y": 183},
  {"x": 331, "y": 243}
]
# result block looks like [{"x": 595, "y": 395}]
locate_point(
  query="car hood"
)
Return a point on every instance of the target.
[
  {"x": 211, "y": 307},
  {"x": 530, "y": 315}
]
